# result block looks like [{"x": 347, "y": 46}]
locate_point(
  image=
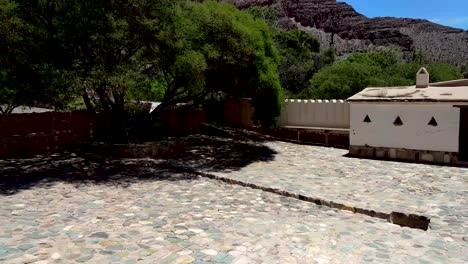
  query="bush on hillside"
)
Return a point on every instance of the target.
[{"x": 378, "y": 69}]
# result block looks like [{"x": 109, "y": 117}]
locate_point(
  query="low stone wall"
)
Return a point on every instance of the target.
[
  {"x": 152, "y": 150},
  {"x": 338, "y": 138},
  {"x": 420, "y": 156}
]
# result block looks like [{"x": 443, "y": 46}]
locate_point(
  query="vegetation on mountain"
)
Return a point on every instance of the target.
[
  {"x": 377, "y": 69},
  {"x": 298, "y": 50},
  {"x": 338, "y": 23},
  {"x": 464, "y": 70}
]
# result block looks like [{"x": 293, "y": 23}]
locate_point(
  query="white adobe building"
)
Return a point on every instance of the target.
[{"x": 427, "y": 122}]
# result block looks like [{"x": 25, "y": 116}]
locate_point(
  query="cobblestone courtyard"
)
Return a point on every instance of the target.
[{"x": 142, "y": 211}]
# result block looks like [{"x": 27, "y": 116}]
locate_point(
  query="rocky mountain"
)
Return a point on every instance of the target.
[{"x": 349, "y": 31}]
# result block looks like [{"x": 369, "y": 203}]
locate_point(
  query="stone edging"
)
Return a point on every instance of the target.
[
  {"x": 408, "y": 155},
  {"x": 398, "y": 218},
  {"x": 166, "y": 150}
]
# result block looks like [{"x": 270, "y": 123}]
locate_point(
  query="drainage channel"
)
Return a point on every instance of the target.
[{"x": 397, "y": 218}]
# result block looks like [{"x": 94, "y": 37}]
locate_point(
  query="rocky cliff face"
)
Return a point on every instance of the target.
[{"x": 351, "y": 31}]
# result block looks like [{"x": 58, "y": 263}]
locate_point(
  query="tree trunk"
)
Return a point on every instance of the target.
[
  {"x": 8, "y": 109},
  {"x": 119, "y": 122},
  {"x": 87, "y": 101}
]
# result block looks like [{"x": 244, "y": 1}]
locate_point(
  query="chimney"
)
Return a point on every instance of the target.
[{"x": 422, "y": 78}]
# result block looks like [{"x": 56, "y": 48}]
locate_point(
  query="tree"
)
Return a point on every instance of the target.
[
  {"x": 382, "y": 59},
  {"x": 268, "y": 14},
  {"x": 210, "y": 50},
  {"x": 464, "y": 70},
  {"x": 327, "y": 57},
  {"x": 99, "y": 45},
  {"x": 11, "y": 57},
  {"x": 341, "y": 80},
  {"x": 93, "y": 49},
  {"x": 297, "y": 49},
  {"x": 444, "y": 72},
  {"x": 110, "y": 52},
  {"x": 21, "y": 65}
]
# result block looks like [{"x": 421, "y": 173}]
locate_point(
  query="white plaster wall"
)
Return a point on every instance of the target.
[
  {"x": 316, "y": 113},
  {"x": 415, "y": 133}
]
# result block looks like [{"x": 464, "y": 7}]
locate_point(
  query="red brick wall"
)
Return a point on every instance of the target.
[{"x": 24, "y": 135}]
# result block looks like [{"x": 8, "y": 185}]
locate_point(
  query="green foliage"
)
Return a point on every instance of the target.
[
  {"x": 100, "y": 45},
  {"x": 156, "y": 91},
  {"x": 327, "y": 57},
  {"x": 297, "y": 40},
  {"x": 341, "y": 80},
  {"x": 464, "y": 70},
  {"x": 112, "y": 52},
  {"x": 73, "y": 48},
  {"x": 382, "y": 59},
  {"x": 297, "y": 49},
  {"x": 444, "y": 72},
  {"x": 377, "y": 69},
  {"x": 397, "y": 74},
  {"x": 211, "y": 50},
  {"x": 267, "y": 13},
  {"x": 20, "y": 65}
]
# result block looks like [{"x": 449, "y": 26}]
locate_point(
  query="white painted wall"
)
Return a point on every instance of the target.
[
  {"x": 316, "y": 113},
  {"x": 415, "y": 133}
]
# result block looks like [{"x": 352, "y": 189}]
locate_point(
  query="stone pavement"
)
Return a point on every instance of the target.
[
  {"x": 199, "y": 221},
  {"x": 139, "y": 211},
  {"x": 437, "y": 192}
]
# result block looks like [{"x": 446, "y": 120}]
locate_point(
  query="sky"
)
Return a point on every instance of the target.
[{"x": 452, "y": 13}]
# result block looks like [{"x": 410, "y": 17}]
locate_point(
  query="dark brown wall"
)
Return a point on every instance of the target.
[{"x": 24, "y": 135}]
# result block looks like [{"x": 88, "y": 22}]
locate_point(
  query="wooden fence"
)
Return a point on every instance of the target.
[
  {"x": 238, "y": 112},
  {"x": 24, "y": 135}
]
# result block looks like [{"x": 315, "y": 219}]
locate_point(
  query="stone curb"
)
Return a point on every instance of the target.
[{"x": 397, "y": 218}]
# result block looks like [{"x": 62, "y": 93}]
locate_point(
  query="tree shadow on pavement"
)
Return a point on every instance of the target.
[
  {"x": 201, "y": 152},
  {"x": 17, "y": 175},
  {"x": 222, "y": 154}
]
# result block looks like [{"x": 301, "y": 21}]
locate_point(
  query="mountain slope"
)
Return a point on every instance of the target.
[{"x": 352, "y": 31}]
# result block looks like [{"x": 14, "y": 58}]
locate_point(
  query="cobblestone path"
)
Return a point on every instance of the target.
[
  {"x": 440, "y": 193},
  {"x": 145, "y": 213},
  {"x": 199, "y": 221}
]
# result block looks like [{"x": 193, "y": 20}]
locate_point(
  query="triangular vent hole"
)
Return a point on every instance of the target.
[
  {"x": 367, "y": 119},
  {"x": 433, "y": 122},
  {"x": 398, "y": 121}
]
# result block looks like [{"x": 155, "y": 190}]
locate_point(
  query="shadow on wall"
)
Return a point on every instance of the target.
[{"x": 212, "y": 153}]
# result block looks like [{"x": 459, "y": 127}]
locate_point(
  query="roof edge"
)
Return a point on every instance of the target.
[
  {"x": 408, "y": 100},
  {"x": 453, "y": 83}
]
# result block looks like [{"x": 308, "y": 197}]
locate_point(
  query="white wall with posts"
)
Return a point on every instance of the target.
[{"x": 315, "y": 113}]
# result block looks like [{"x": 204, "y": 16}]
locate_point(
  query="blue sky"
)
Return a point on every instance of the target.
[{"x": 452, "y": 13}]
